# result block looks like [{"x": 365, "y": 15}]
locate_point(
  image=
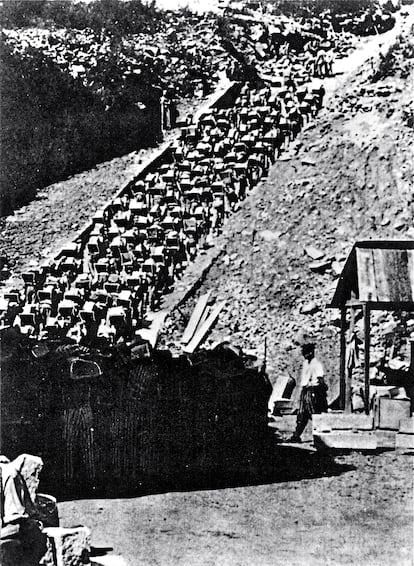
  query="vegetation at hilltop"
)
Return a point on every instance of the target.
[
  {"x": 132, "y": 16},
  {"x": 315, "y": 7}
]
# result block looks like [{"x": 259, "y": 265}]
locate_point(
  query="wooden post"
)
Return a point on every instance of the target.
[
  {"x": 348, "y": 385},
  {"x": 342, "y": 361},
  {"x": 367, "y": 332}
]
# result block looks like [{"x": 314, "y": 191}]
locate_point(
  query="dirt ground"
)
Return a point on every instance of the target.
[
  {"x": 348, "y": 177},
  {"x": 307, "y": 511}
]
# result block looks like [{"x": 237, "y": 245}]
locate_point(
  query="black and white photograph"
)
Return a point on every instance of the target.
[{"x": 207, "y": 283}]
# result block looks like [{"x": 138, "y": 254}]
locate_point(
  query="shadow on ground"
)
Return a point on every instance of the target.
[{"x": 281, "y": 464}]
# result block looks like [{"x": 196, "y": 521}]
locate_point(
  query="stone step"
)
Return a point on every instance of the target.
[
  {"x": 406, "y": 426},
  {"x": 404, "y": 441},
  {"x": 344, "y": 440},
  {"x": 386, "y": 439},
  {"x": 342, "y": 421},
  {"x": 110, "y": 560}
]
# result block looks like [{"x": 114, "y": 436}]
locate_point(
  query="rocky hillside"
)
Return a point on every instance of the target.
[{"x": 348, "y": 178}]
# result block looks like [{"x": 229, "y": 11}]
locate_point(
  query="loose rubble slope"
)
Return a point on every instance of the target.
[{"x": 349, "y": 179}]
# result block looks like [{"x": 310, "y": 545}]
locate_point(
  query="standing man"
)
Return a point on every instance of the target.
[{"x": 313, "y": 395}]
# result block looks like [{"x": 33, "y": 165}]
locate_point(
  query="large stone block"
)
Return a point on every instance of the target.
[
  {"x": 404, "y": 441},
  {"x": 364, "y": 441},
  {"x": 389, "y": 412},
  {"x": 407, "y": 426},
  {"x": 67, "y": 547},
  {"x": 327, "y": 422},
  {"x": 385, "y": 439}
]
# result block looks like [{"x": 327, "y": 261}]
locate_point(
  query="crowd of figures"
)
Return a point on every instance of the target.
[
  {"x": 114, "y": 73},
  {"x": 127, "y": 420},
  {"x": 189, "y": 52},
  {"x": 99, "y": 292},
  {"x": 133, "y": 69},
  {"x": 303, "y": 41}
]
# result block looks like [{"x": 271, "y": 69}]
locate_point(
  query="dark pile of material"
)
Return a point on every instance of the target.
[{"x": 116, "y": 424}]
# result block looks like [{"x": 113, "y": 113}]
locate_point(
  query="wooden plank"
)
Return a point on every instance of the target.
[
  {"x": 196, "y": 315},
  {"x": 202, "y": 331},
  {"x": 204, "y": 317},
  {"x": 354, "y": 303},
  {"x": 380, "y": 269},
  {"x": 366, "y": 275},
  {"x": 396, "y": 272}
]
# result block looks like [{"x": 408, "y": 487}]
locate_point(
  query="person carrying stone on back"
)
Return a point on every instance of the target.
[{"x": 313, "y": 399}]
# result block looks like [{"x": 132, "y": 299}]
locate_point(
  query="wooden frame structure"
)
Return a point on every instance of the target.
[{"x": 378, "y": 275}]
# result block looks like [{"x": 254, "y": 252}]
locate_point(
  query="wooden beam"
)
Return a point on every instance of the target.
[
  {"x": 195, "y": 318},
  {"x": 204, "y": 328},
  {"x": 378, "y": 305},
  {"x": 342, "y": 361},
  {"x": 367, "y": 342},
  {"x": 392, "y": 306},
  {"x": 204, "y": 317},
  {"x": 354, "y": 303}
]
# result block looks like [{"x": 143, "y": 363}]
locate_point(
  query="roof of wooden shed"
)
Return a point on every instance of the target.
[{"x": 379, "y": 273}]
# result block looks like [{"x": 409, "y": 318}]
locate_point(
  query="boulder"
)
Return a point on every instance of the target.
[
  {"x": 337, "y": 268},
  {"x": 67, "y": 547},
  {"x": 320, "y": 266},
  {"x": 310, "y": 308},
  {"x": 269, "y": 235},
  {"x": 314, "y": 253}
]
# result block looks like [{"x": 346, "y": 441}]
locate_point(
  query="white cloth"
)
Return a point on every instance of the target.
[
  {"x": 16, "y": 503},
  {"x": 312, "y": 372}
]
